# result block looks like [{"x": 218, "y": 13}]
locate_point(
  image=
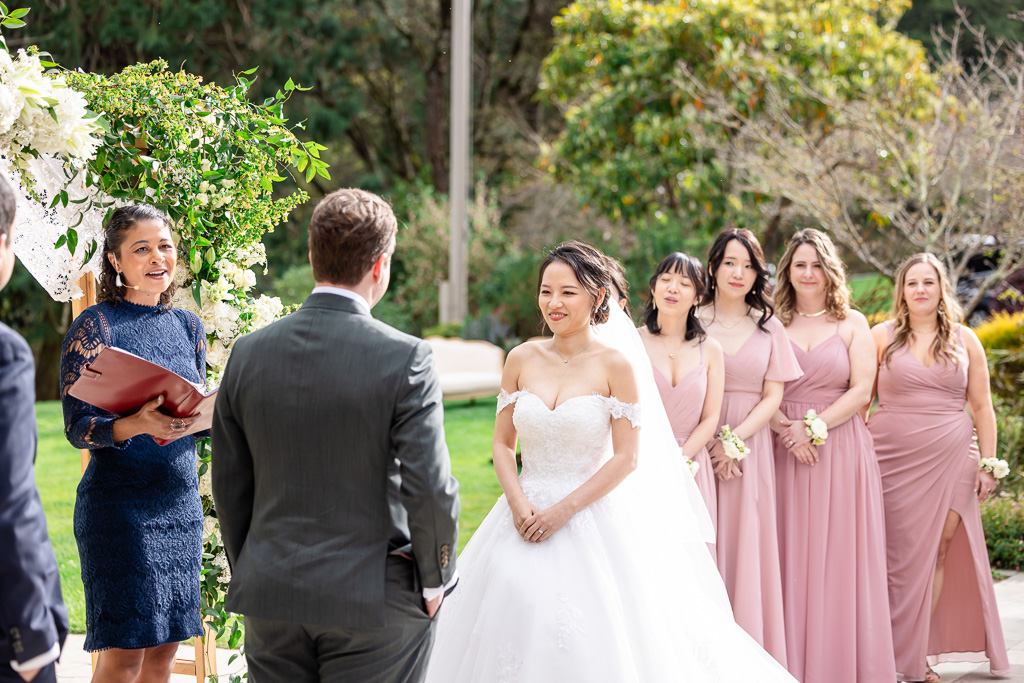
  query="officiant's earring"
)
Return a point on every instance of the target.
[{"x": 117, "y": 280}]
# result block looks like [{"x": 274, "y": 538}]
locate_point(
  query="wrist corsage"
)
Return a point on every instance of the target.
[
  {"x": 691, "y": 465},
  {"x": 732, "y": 444},
  {"x": 996, "y": 467},
  {"x": 815, "y": 427}
]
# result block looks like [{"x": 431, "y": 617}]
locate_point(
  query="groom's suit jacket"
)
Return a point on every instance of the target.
[
  {"x": 33, "y": 618},
  {"x": 329, "y": 455}
]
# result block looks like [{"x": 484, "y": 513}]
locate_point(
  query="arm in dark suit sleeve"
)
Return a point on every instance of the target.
[
  {"x": 231, "y": 466},
  {"x": 85, "y": 426},
  {"x": 429, "y": 492},
  {"x": 32, "y": 614}
]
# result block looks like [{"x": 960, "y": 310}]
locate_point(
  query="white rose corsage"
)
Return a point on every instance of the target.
[
  {"x": 996, "y": 467},
  {"x": 815, "y": 427},
  {"x": 692, "y": 465},
  {"x": 732, "y": 444}
]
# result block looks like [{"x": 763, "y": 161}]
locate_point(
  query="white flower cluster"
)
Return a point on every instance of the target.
[
  {"x": 732, "y": 444},
  {"x": 206, "y": 485},
  {"x": 999, "y": 468},
  {"x": 220, "y": 560},
  {"x": 692, "y": 465},
  {"x": 211, "y": 527},
  {"x": 226, "y": 311},
  {"x": 815, "y": 427},
  {"x": 39, "y": 112}
]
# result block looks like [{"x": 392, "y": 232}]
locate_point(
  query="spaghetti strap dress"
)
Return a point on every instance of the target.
[
  {"x": 832, "y": 536},
  {"x": 922, "y": 435},
  {"x": 684, "y": 404}
]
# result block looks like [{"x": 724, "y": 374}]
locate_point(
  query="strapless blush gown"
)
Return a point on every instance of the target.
[
  {"x": 748, "y": 543},
  {"x": 586, "y": 605},
  {"x": 832, "y": 537},
  {"x": 922, "y": 436},
  {"x": 684, "y": 403}
]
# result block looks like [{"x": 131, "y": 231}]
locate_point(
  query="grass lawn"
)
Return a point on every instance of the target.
[
  {"x": 872, "y": 293},
  {"x": 468, "y": 427}
]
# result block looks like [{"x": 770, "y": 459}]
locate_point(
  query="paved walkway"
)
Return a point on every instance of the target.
[{"x": 76, "y": 665}]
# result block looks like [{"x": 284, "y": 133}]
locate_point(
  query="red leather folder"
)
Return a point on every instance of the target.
[{"x": 120, "y": 382}]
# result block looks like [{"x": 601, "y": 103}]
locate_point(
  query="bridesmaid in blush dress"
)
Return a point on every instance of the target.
[
  {"x": 688, "y": 366},
  {"x": 758, "y": 362},
  {"x": 831, "y": 519},
  {"x": 940, "y": 583}
]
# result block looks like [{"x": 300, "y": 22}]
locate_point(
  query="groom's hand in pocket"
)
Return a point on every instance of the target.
[{"x": 433, "y": 605}]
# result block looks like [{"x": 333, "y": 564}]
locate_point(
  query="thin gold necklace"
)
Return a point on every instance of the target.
[
  {"x": 670, "y": 354},
  {"x": 714, "y": 319},
  {"x": 812, "y": 315},
  {"x": 566, "y": 360}
]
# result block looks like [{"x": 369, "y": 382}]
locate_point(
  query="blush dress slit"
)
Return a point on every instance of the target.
[{"x": 922, "y": 436}]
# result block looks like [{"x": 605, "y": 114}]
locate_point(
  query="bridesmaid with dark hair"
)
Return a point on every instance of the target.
[
  {"x": 758, "y": 362},
  {"x": 829, "y": 490},
  {"x": 688, "y": 366},
  {"x": 940, "y": 582}
]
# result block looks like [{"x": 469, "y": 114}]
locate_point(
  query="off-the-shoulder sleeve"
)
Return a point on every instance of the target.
[
  {"x": 506, "y": 399},
  {"x": 85, "y": 426},
  {"x": 782, "y": 363},
  {"x": 630, "y": 411}
]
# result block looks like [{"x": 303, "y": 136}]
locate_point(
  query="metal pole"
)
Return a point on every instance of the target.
[{"x": 459, "y": 135}]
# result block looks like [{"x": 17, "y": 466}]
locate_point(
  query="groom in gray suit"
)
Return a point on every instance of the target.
[{"x": 331, "y": 477}]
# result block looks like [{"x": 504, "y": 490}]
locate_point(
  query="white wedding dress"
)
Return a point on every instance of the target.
[{"x": 613, "y": 596}]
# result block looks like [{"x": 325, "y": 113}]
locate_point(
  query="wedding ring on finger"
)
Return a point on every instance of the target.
[
  {"x": 178, "y": 425},
  {"x": 791, "y": 442}
]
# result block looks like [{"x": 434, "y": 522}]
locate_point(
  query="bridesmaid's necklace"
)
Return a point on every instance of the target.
[
  {"x": 812, "y": 315},
  {"x": 678, "y": 349},
  {"x": 714, "y": 319},
  {"x": 566, "y": 360}
]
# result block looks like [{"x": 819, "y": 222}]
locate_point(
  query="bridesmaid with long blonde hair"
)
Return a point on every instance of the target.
[
  {"x": 831, "y": 521},
  {"x": 759, "y": 361},
  {"x": 940, "y": 583}
]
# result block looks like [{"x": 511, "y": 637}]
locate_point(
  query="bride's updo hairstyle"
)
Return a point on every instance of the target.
[
  {"x": 757, "y": 297},
  {"x": 690, "y": 268},
  {"x": 115, "y": 232},
  {"x": 590, "y": 268}
]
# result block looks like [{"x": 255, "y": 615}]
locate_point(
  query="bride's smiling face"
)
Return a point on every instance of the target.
[{"x": 564, "y": 303}]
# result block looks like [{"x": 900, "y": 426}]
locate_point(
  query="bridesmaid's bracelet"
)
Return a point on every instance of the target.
[
  {"x": 691, "y": 465},
  {"x": 815, "y": 427},
  {"x": 994, "y": 466},
  {"x": 732, "y": 444}
]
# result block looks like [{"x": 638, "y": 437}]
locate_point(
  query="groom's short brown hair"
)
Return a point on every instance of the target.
[{"x": 350, "y": 230}]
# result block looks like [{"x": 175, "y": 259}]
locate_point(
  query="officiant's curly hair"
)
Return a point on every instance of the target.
[
  {"x": 349, "y": 231},
  {"x": 591, "y": 269},
  {"x": 115, "y": 232}
]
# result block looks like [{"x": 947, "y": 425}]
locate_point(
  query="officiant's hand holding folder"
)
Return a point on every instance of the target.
[{"x": 120, "y": 382}]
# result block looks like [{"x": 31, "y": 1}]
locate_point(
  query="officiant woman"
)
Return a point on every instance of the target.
[{"x": 138, "y": 517}]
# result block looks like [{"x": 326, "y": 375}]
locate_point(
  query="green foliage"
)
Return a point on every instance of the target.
[
  {"x": 206, "y": 155},
  {"x": 421, "y": 257},
  {"x": 629, "y": 78},
  {"x": 992, "y": 15},
  {"x": 1003, "y": 520}
]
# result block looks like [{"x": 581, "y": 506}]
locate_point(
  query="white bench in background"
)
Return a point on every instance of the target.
[{"x": 469, "y": 368}]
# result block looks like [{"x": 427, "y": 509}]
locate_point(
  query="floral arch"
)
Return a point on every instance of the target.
[{"x": 79, "y": 145}]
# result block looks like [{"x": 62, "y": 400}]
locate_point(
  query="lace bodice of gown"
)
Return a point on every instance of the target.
[{"x": 564, "y": 446}]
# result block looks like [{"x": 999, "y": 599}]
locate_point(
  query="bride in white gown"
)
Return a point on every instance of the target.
[{"x": 586, "y": 570}]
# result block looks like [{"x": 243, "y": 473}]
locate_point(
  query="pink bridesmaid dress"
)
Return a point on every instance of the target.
[
  {"x": 922, "y": 436},
  {"x": 832, "y": 537},
  {"x": 748, "y": 542},
  {"x": 684, "y": 403}
]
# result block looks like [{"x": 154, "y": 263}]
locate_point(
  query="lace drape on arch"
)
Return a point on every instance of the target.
[{"x": 38, "y": 227}]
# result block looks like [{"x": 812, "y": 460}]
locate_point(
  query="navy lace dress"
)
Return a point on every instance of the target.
[{"x": 138, "y": 517}]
